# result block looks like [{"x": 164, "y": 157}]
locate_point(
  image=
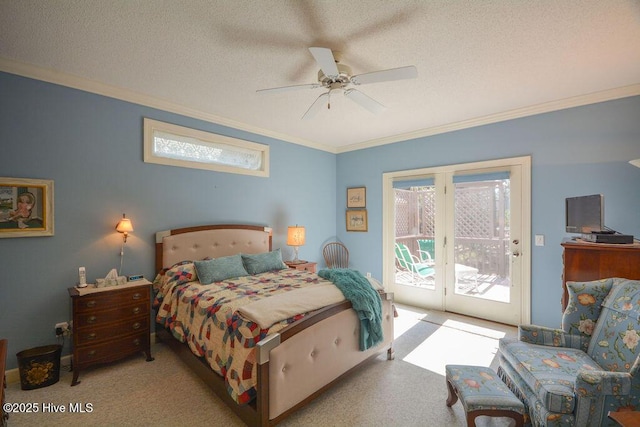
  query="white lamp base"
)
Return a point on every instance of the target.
[{"x": 296, "y": 260}]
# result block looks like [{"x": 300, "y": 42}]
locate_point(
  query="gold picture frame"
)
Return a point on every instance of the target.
[
  {"x": 26, "y": 207},
  {"x": 357, "y": 197},
  {"x": 357, "y": 220}
]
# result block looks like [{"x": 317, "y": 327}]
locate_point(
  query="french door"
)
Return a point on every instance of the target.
[{"x": 466, "y": 231}]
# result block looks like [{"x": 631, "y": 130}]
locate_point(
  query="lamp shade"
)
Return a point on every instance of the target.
[
  {"x": 124, "y": 225},
  {"x": 295, "y": 236}
]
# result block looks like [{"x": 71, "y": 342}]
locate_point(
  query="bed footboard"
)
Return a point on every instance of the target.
[
  {"x": 297, "y": 364},
  {"x": 295, "y": 368}
]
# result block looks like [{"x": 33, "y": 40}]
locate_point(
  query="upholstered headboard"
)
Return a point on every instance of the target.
[{"x": 196, "y": 243}]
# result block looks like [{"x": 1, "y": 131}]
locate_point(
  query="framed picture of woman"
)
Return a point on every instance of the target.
[{"x": 26, "y": 207}]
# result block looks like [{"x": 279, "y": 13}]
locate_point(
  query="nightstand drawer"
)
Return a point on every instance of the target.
[
  {"x": 112, "y": 350},
  {"x": 311, "y": 267},
  {"x": 99, "y": 318},
  {"x": 105, "y": 300},
  {"x": 303, "y": 266},
  {"x": 90, "y": 335}
]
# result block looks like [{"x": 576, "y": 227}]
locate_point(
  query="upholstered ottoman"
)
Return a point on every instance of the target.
[{"x": 482, "y": 392}]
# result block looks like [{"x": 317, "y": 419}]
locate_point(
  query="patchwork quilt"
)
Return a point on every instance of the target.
[{"x": 207, "y": 318}]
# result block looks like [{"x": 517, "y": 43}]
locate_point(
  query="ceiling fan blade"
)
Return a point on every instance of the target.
[
  {"x": 326, "y": 61},
  {"x": 288, "y": 88},
  {"x": 408, "y": 72},
  {"x": 364, "y": 101},
  {"x": 315, "y": 107}
]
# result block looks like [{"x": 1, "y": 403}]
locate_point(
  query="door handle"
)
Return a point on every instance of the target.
[
  {"x": 516, "y": 241},
  {"x": 516, "y": 254}
]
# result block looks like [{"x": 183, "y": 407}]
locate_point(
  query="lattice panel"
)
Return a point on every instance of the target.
[
  {"x": 479, "y": 208},
  {"x": 475, "y": 212},
  {"x": 482, "y": 222},
  {"x": 415, "y": 212},
  {"x": 403, "y": 208},
  {"x": 428, "y": 212}
]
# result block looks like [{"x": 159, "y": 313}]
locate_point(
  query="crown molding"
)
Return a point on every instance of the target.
[
  {"x": 64, "y": 79},
  {"x": 547, "y": 107},
  {"x": 75, "y": 82}
]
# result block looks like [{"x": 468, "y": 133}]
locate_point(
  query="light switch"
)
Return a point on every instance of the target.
[{"x": 539, "y": 239}]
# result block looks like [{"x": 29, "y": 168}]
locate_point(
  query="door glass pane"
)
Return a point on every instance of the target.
[
  {"x": 481, "y": 240},
  {"x": 415, "y": 233}
]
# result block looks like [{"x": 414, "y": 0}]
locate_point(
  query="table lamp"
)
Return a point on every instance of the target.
[{"x": 295, "y": 238}]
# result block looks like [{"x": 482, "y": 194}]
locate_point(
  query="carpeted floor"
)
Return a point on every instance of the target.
[{"x": 408, "y": 391}]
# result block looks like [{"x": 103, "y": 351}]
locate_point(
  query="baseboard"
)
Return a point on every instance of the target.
[{"x": 13, "y": 375}]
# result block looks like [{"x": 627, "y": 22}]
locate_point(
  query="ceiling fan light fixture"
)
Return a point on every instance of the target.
[
  {"x": 336, "y": 76},
  {"x": 343, "y": 77}
]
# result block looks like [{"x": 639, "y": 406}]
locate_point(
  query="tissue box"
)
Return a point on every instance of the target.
[{"x": 112, "y": 279}]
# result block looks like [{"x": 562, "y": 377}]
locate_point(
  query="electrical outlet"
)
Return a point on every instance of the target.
[
  {"x": 62, "y": 329},
  {"x": 539, "y": 239}
]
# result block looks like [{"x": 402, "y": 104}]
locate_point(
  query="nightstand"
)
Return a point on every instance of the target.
[
  {"x": 110, "y": 323},
  {"x": 304, "y": 265}
]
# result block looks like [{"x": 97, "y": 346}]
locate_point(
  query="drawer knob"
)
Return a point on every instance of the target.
[
  {"x": 137, "y": 295},
  {"x": 136, "y": 342},
  {"x": 136, "y": 310},
  {"x": 91, "y": 304},
  {"x": 92, "y": 319},
  {"x": 91, "y": 336},
  {"x": 137, "y": 325},
  {"x": 91, "y": 353}
]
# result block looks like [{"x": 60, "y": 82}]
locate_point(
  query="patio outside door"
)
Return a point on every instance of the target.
[
  {"x": 464, "y": 228},
  {"x": 484, "y": 254}
]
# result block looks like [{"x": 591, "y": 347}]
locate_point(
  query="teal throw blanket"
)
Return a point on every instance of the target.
[{"x": 364, "y": 299}]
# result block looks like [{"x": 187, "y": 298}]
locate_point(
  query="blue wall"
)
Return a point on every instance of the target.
[
  {"x": 574, "y": 152},
  {"x": 91, "y": 147}
]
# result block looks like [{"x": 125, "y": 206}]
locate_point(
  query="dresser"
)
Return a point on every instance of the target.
[
  {"x": 110, "y": 323},
  {"x": 586, "y": 261}
]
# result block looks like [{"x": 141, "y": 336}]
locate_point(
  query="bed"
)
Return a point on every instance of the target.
[{"x": 263, "y": 373}]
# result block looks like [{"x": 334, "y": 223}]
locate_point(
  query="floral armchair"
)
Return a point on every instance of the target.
[{"x": 575, "y": 375}]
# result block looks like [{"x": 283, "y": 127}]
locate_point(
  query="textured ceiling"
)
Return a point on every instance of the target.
[{"x": 477, "y": 61}]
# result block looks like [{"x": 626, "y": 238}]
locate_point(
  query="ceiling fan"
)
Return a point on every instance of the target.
[{"x": 335, "y": 77}]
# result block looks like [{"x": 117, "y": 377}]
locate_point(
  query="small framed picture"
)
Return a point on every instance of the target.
[
  {"x": 357, "y": 220},
  {"x": 26, "y": 207},
  {"x": 357, "y": 197}
]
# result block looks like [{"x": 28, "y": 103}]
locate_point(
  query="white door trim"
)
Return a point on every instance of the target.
[{"x": 388, "y": 219}]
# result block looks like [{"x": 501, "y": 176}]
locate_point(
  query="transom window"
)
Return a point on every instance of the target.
[{"x": 174, "y": 145}]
